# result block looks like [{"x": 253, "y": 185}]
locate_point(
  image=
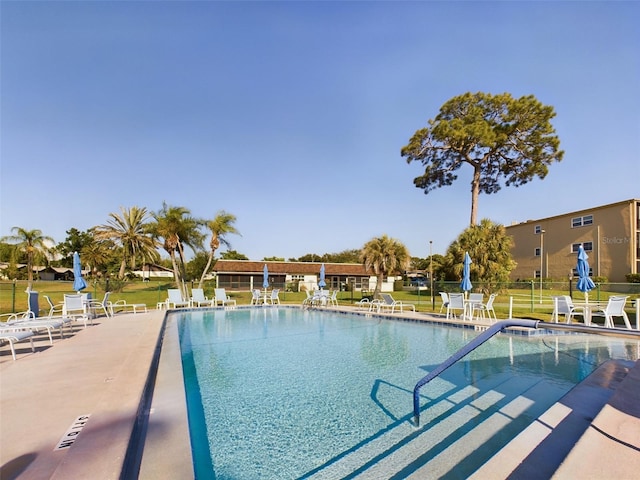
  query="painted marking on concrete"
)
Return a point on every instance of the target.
[{"x": 72, "y": 433}]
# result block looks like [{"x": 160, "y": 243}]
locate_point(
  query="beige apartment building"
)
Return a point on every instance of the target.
[{"x": 610, "y": 234}]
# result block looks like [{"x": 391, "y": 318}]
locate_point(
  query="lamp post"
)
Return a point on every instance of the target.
[
  {"x": 541, "y": 260},
  {"x": 433, "y": 300}
]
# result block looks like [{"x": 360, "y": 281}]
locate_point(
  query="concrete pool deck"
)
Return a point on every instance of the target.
[{"x": 101, "y": 372}]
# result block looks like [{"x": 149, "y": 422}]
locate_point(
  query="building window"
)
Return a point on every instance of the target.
[
  {"x": 537, "y": 252},
  {"x": 537, "y": 229},
  {"x": 537, "y": 274},
  {"x": 588, "y": 247},
  {"x": 297, "y": 278},
  {"x": 581, "y": 221}
]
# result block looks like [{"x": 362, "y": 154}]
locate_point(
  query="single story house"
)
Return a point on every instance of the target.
[{"x": 297, "y": 276}]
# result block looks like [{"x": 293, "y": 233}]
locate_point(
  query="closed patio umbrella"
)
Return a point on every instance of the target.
[
  {"x": 265, "y": 277},
  {"x": 78, "y": 281},
  {"x": 584, "y": 281},
  {"x": 321, "y": 282},
  {"x": 465, "y": 285}
]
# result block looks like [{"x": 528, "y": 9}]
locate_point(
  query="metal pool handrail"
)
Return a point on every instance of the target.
[{"x": 497, "y": 328}]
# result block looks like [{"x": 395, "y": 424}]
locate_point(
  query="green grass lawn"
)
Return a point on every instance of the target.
[{"x": 526, "y": 304}]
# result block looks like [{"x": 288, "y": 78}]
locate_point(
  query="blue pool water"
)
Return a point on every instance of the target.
[{"x": 282, "y": 393}]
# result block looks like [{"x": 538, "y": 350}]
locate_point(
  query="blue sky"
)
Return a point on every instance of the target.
[{"x": 291, "y": 115}]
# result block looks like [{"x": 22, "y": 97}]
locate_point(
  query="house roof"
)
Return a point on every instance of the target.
[{"x": 291, "y": 268}]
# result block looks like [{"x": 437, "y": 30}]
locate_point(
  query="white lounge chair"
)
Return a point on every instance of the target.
[
  {"x": 175, "y": 300},
  {"x": 388, "y": 302},
  {"x": 123, "y": 306},
  {"x": 563, "y": 305},
  {"x": 28, "y": 321},
  {"x": 614, "y": 308},
  {"x": 12, "y": 336},
  {"x": 198, "y": 298},
  {"x": 223, "y": 298}
]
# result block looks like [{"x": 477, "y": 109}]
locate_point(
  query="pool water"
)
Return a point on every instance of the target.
[{"x": 283, "y": 393}]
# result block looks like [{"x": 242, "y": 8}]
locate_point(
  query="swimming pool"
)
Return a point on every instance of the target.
[{"x": 281, "y": 393}]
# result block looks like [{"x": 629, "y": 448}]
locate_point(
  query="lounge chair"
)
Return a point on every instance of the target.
[
  {"x": 614, "y": 308},
  {"x": 28, "y": 321},
  {"x": 175, "y": 300},
  {"x": 198, "y": 298},
  {"x": 13, "y": 336},
  {"x": 388, "y": 302},
  {"x": 123, "y": 306},
  {"x": 223, "y": 298}
]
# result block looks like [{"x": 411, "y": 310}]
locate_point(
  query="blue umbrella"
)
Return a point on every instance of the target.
[
  {"x": 265, "y": 276},
  {"x": 465, "y": 285},
  {"x": 584, "y": 281},
  {"x": 78, "y": 281},
  {"x": 321, "y": 282}
]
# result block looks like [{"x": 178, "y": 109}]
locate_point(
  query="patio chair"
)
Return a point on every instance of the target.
[
  {"x": 198, "y": 298},
  {"x": 175, "y": 300},
  {"x": 388, "y": 302},
  {"x": 456, "y": 302},
  {"x": 13, "y": 336},
  {"x": 473, "y": 300},
  {"x": 614, "y": 308},
  {"x": 445, "y": 301},
  {"x": 75, "y": 307},
  {"x": 105, "y": 305},
  {"x": 487, "y": 308},
  {"x": 223, "y": 298},
  {"x": 307, "y": 301},
  {"x": 563, "y": 305}
]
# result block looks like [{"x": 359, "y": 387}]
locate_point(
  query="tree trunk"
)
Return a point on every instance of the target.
[
  {"x": 475, "y": 191},
  {"x": 206, "y": 269},
  {"x": 123, "y": 264},
  {"x": 376, "y": 291}
]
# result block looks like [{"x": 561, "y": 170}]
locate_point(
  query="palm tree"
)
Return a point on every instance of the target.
[
  {"x": 489, "y": 247},
  {"x": 177, "y": 228},
  {"x": 129, "y": 231},
  {"x": 384, "y": 255},
  {"x": 98, "y": 254},
  {"x": 220, "y": 227},
  {"x": 32, "y": 243}
]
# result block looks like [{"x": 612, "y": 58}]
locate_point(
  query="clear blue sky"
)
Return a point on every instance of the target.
[{"x": 291, "y": 115}]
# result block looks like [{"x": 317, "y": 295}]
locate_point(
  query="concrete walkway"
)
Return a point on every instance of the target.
[{"x": 45, "y": 396}]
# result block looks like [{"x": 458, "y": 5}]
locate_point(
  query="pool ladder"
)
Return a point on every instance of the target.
[{"x": 497, "y": 328}]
